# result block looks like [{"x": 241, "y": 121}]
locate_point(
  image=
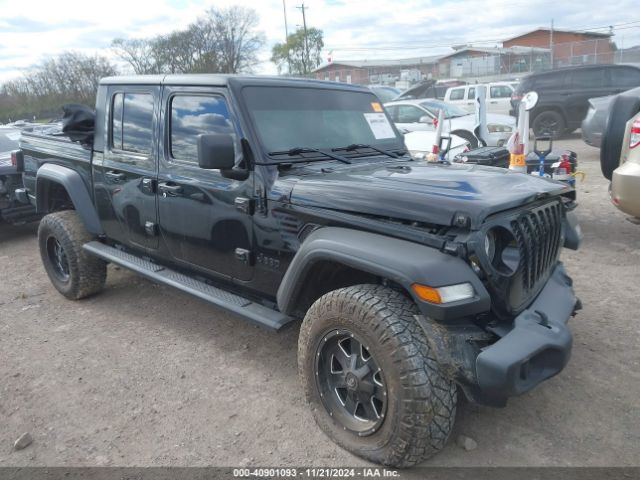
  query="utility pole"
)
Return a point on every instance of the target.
[
  {"x": 286, "y": 34},
  {"x": 306, "y": 43},
  {"x": 551, "y": 43}
]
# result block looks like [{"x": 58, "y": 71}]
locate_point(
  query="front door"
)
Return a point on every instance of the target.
[
  {"x": 125, "y": 175},
  {"x": 202, "y": 219}
]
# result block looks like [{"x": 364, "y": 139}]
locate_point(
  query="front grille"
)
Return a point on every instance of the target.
[{"x": 538, "y": 233}]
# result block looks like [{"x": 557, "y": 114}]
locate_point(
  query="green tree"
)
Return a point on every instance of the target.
[{"x": 297, "y": 57}]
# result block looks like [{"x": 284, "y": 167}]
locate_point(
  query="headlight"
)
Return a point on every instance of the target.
[
  {"x": 490, "y": 245},
  {"x": 440, "y": 295},
  {"x": 502, "y": 250},
  {"x": 496, "y": 128}
]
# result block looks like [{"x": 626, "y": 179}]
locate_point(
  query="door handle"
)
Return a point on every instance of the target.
[
  {"x": 494, "y": 102},
  {"x": 170, "y": 189},
  {"x": 113, "y": 175}
]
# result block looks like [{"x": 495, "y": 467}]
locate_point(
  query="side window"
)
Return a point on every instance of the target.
[
  {"x": 457, "y": 94},
  {"x": 500, "y": 91},
  {"x": 548, "y": 81},
  {"x": 409, "y": 114},
  {"x": 392, "y": 110},
  {"x": 194, "y": 115},
  {"x": 132, "y": 122},
  {"x": 625, "y": 77},
  {"x": 471, "y": 95},
  {"x": 589, "y": 78}
]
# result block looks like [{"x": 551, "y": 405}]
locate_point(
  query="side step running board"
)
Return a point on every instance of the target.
[{"x": 251, "y": 311}]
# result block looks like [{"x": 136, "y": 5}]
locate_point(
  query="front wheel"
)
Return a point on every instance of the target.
[
  {"x": 73, "y": 272},
  {"x": 371, "y": 380}
]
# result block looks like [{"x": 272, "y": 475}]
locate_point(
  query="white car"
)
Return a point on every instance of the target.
[
  {"x": 498, "y": 97},
  {"x": 420, "y": 145},
  {"x": 419, "y": 115}
]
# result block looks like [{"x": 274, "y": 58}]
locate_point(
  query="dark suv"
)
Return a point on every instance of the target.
[{"x": 564, "y": 94}]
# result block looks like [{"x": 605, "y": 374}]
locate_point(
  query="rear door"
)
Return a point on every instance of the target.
[
  {"x": 499, "y": 99},
  {"x": 203, "y": 220},
  {"x": 125, "y": 175},
  {"x": 624, "y": 78},
  {"x": 581, "y": 85},
  {"x": 458, "y": 96}
]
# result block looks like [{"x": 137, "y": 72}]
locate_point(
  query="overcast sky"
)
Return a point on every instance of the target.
[{"x": 31, "y": 30}]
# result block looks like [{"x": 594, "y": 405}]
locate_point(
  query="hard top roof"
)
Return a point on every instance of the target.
[{"x": 220, "y": 80}]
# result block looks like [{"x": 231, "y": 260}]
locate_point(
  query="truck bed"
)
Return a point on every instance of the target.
[
  {"x": 54, "y": 146},
  {"x": 40, "y": 148}
]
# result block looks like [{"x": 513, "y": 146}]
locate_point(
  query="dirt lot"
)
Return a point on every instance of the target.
[{"x": 144, "y": 375}]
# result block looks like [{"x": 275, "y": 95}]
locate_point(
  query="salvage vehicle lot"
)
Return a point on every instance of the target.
[{"x": 144, "y": 375}]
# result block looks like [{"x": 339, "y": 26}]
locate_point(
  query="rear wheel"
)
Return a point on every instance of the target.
[
  {"x": 548, "y": 122},
  {"x": 73, "y": 272},
  {"x": 370, "y": 377}
]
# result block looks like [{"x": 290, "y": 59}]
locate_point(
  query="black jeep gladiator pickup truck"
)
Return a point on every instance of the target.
[{"x": 284, "y": 200}]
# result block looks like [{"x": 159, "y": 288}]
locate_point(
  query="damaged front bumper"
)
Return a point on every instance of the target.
[{"x": 535, "y": 347}]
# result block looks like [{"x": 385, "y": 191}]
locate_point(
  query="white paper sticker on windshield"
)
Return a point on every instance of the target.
[
  {"x": 379, "y": 125},
  {"x": 13, "y": 136}
]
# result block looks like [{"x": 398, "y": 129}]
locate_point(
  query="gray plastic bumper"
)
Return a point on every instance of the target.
[{"x": 537, "y": 348}]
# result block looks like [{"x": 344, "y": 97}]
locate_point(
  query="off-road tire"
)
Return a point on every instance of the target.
[
  {"x": 421, "y": 404},
  {"x": 621, "y": 110},
  {"x": 548, "y": 116},
  {"x": 86, "y": 274}
]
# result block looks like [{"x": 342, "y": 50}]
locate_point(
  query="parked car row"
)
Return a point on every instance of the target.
[
  {"x": 419, "y": 115},
  {"x": 564, "y": 94},
  {"x": 620, "y": 152}
]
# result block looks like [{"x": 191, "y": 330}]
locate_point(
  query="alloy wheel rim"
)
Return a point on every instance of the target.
[
  {"x": 351, "y": 383},
  {"x": 58, "y": 259}
]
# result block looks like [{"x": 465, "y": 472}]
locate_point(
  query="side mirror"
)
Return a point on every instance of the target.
[
  {"x": 216, "y": 151},
  {"x": 425, "y": 119}
]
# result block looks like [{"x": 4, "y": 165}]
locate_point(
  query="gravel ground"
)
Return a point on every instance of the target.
[{"x": 143, "y": 375}]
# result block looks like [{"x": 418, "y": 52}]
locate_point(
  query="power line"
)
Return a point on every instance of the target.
[{"x": 410, "y": 44}]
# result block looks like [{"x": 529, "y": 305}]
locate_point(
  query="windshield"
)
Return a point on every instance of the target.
[
  {"x": 386, "y": 94},
  {"x": 450, "y": 111},
  {"x": 290, "y": 117}
]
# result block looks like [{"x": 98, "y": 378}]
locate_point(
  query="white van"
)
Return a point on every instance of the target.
[{"x": 498, "y": 97}]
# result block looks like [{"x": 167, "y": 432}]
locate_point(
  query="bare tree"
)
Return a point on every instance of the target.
[
  {"x": 238, "y": 40},
  {"x": 69, "y": 78},
  {"x": 223, "y": 40},
  {"x": 137, "y": 52}
]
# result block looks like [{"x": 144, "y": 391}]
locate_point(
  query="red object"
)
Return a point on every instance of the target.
[
  {"x": 565, "y": 163},
  {"x": 634, "y": 139},
  {"x": 435, "y": 149},
  {"x": 435, "y": 122},
  {"x": 14, "y": 159}
]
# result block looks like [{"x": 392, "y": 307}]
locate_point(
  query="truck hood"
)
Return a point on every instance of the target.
[{"x": 430, "y": 193}]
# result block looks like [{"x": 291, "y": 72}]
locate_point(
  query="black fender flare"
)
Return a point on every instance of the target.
[
  {"x": 72, "y": 182},
  {"x": 399, "y": 261}
]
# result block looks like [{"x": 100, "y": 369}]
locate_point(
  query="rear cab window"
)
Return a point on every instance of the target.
[
  {"x": 457, "y": 94},
  {"x": 132, "y": 122}
]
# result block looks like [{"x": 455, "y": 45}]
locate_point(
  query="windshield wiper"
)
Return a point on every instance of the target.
[
  {"x": 356, "y": 146},
  {"x": 299, "y": 150}
]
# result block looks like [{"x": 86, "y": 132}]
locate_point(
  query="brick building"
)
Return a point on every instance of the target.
[
  {"x": 377, "y": 71},
  {"x": 569, "y": 48}
]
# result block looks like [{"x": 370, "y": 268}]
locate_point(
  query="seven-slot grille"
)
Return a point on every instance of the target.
[{"x": 538, "y": 235}]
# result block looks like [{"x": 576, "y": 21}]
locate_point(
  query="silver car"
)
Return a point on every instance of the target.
[{"x": 595, "y": 122}]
